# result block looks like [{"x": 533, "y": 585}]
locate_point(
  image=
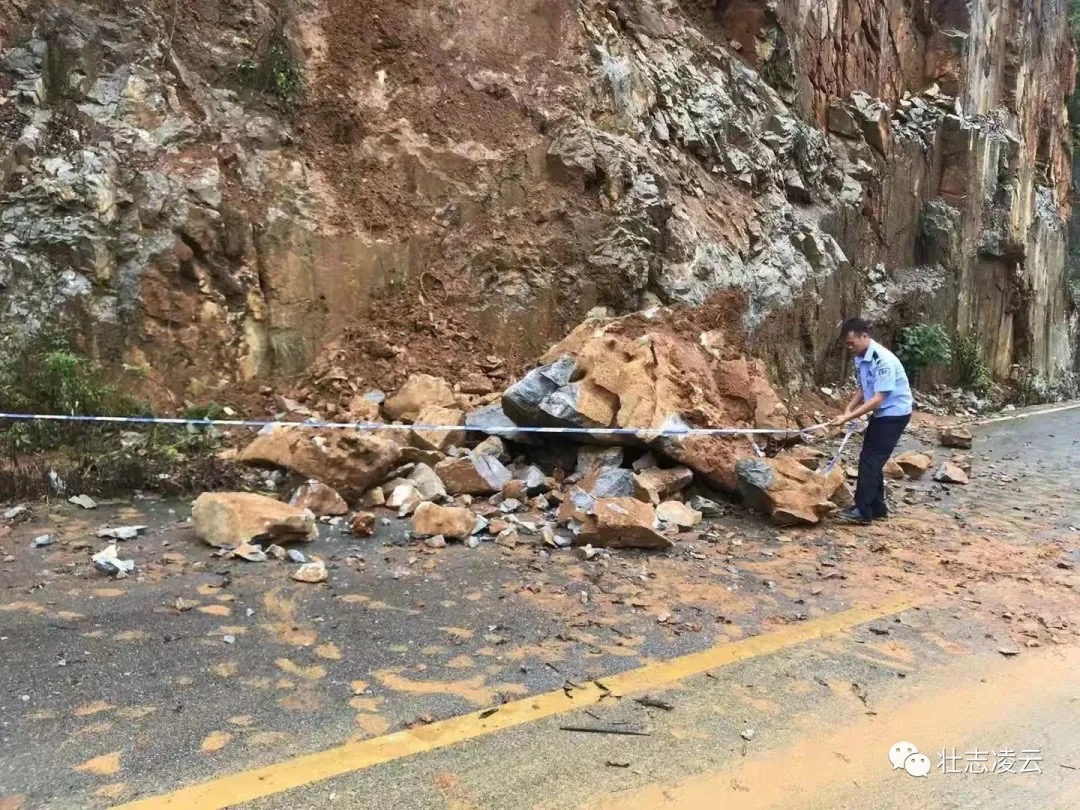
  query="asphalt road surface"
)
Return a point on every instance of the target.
[{"x": 751, "y": 667}]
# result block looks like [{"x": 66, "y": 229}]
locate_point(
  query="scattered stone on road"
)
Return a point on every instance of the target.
[
  {"x": 678, "y": 514},
  {"x": 85, "y": 501},
  {"x": 430, "y": 519},
  {"x": 108, "y": 562},
  {"x": 312, "y": 572},
  {"x": 956, "y": 437},
  {"x": 914, "y": 465},
  {"x": 949, "y": 473},
  {"x": 789, "y": 492},
  {"x": 362, "y": 524},
  {"x": 121, "y": 532}
]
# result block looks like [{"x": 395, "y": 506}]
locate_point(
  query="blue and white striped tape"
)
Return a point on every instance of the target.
[{"x": 374, "y": 426}]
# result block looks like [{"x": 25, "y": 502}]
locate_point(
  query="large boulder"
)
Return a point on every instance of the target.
[
  {"x": 788, "y": 492},
  {"x": 349, "y": 461},
  {"x": 234, "y": 518}
]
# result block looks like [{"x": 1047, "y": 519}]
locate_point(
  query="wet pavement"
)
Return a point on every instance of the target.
[{"x": 194, "y": 667}]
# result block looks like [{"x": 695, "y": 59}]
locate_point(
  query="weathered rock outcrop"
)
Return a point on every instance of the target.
[{"x": 232, "y": 201}]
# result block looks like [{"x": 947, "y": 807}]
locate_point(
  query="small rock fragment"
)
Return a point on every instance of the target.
[
  {"x": 120, "y": 532},
  {"x": 655, "y": 484},
  {"x": 507, "y": 538},
  {"x": 362, "y": 524},
  {"x": 473, "y": 474},
  {"x": 949, "y": 473},
  {"x": 250, "y": 552},
  {"x": 312, "y": 572},
  {"x": 893, "y": 470},
  {"x": 231, "y": 518},
  {"x": 296, "y": 556},
  {"x": 438, "y": 541},
  {"x": 42, "y": 540},
  {"x": 85, "y": 501}
]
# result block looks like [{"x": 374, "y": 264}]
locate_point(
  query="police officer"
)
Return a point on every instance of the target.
[{"x": 884, "y": 394}]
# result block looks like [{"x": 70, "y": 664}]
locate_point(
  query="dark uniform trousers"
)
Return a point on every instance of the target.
[{"x": 879, "y": 441}]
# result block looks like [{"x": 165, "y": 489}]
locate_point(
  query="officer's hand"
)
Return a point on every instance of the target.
[{"x": 840, "y": 421}]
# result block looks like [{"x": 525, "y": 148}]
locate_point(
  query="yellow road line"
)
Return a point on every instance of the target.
[{"x": 246, "y": 786}]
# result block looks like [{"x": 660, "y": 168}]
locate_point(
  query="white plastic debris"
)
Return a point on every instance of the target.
[
  {"x": 120, "y": 532},
  {"x": 108, "y": 562}
]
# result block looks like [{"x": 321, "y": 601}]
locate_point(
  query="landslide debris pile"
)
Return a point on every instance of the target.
[{"x": 481, "y": 474}]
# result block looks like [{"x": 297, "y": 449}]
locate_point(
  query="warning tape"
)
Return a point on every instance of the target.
[{"x": 315, "y": 424}]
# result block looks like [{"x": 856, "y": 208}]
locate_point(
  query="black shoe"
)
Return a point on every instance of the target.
[
  {"x": 882, "y": 515},
  {"x": 853, "y": 515}
]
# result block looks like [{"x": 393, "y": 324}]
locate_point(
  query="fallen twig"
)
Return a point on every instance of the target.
[{"x": 632, "y": 732}]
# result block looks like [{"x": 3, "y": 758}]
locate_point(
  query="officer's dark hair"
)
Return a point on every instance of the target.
[{"x": 856, "y": 326}]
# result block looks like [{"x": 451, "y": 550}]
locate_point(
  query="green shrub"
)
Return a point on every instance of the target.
[
  {"x": 971, "y": 371},
  {"x": 922, "y": 346},
  {"x": 49, "y": 377}
]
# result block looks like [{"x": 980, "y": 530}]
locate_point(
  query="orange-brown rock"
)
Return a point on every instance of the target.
[
  {"x": 914, "y": 465},
  {"x": 362, "y": 409},
  {"x": 420, "y": 391},
  {"x": 678, "y": 514},
  {"x": 430, "y": 519},
  {"x": 473, "y": 474},
  {"x": 655, "y": 484},
  {"x": 438, "y": 440},
  {"x": 362, "y": 524},
  {"x": 347, "y": 460},
  {"x": 788, "y": 492},
  {"x": 319, "y": 498},
  {"x": 235, "y": 518},
  {"x": 622, "y": 523}
]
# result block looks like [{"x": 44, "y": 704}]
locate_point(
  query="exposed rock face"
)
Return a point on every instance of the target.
[
  {"x": 906, "y": 159},
  {"x": 235, "y": 518}
]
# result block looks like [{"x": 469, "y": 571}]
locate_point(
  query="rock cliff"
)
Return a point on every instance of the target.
[{"x": 225, "y": 192}]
